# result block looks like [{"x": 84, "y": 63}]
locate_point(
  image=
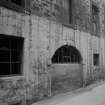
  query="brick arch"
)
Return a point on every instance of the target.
[{"x": 67, "y": 54}]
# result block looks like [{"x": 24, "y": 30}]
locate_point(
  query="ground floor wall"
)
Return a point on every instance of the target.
[
  {"x": 47, "y": 36},
  {"x": 42, "y": 38},
  {"x": 13, "y": 88},
  {"x": 66, "y": 77}
]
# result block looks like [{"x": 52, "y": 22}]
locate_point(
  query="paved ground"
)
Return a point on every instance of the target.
[{"x": 91, "y": 95}]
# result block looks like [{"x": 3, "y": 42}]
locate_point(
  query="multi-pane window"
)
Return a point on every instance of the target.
[
  {"x": 10, "y": 55},
  {"x": 95, "y": 18},
  {"x": 95, "y": 59}
]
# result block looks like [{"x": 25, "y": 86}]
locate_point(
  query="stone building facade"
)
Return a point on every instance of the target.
[{"x": 49, "y": 46}]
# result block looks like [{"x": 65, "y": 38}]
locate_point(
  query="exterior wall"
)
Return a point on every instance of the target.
[
  {"x": 66, "y": 77},
  {"x": 54, "y": 35},
  {"x": 43, "y": 36},
  {"x": 12, "y": 88}
]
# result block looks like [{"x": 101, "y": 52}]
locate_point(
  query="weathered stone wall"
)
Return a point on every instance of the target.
[
  {"x": 81, "y": 13},
  {"x": 66, "y": 77},
  {"x": 52, "y": 36},
  {"x": 12, "y": 88},
  {"x": 43, "y": 36}
]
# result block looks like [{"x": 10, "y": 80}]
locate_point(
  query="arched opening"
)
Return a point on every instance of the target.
[
  {"x": 67, "y": 73},
  {"x": 67, "y": 54}
]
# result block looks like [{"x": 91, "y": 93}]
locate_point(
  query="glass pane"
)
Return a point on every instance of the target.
[
  {"x": 4, "y": 56},
  {"x": 18, "y": 2},
  {"x": 96, "y": 59},
  {"x": 14, "y": 44},
  {"x": 4, "y": 68},
  {"x": 15, "y": 56},
  {"x": 16, "y": 68},
  {"x": 4, "y": 44}
]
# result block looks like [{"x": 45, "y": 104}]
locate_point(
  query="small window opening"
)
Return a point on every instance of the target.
[
  {"x": 94, "y": 10},
  {"x": 96, "y": 59},
  {"x": 70, "y": 11},
  {"x": 95, "y": 18}
]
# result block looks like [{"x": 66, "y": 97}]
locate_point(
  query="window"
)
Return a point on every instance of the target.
[
  {"x": 95, "y": 59},
  {"x": 65, "y": 10},
  {"x": 17, "y": 5},
  {"x": 19, "y": 103},
  {"x": 70, "y": 10},
  {"x": 67, "y": 5},
  {"x": 18, "y": 2},
  {"x": 95, "y": 18},
  {"x": 66, "y": 54},
  {"x": 10, "y": 55}
]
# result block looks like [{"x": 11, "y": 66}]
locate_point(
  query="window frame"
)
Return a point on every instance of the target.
[{"x": 66, "y": 16}]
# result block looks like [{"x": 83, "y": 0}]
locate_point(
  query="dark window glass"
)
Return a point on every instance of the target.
[
  {"x": 15, "y": 56},
  {"x": 4, "y": 43},
  {"x": 16, "y": 68},
  {"x": 18, "y": 2},
  {"x": 95, "y": 18},
  {"x": 4, "y": 68},
  {"x": 96, "y": 59},
  {"x": 4, "y": 56},
  {"x": 10, "y": 55},
  {"x": 70, "y": 10},
  {"x": 14, "y": 44}
]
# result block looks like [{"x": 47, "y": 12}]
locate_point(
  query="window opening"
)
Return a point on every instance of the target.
[
  {"x": 10, "y": 55},
  {"x": 66, "y": 54},
  {"x": 18, "y": 2},
  {"x": 95, "y": 18},
  {"x": 70, "y": 10},
  {"x": 96, "y": 59}
]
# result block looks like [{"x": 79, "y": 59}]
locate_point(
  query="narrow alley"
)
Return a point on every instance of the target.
[{"x": 91, "y": 95}]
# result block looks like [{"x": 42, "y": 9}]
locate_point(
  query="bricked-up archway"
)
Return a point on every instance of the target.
[
  {"x": 67, "y": 72},
  {"x": 67, "y": 54}
]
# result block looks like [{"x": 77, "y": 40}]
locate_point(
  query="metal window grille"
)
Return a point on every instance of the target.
[{"x": 66, "y": 54}]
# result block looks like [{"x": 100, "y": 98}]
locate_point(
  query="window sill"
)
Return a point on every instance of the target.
[{"x": 13, "y": 77}]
